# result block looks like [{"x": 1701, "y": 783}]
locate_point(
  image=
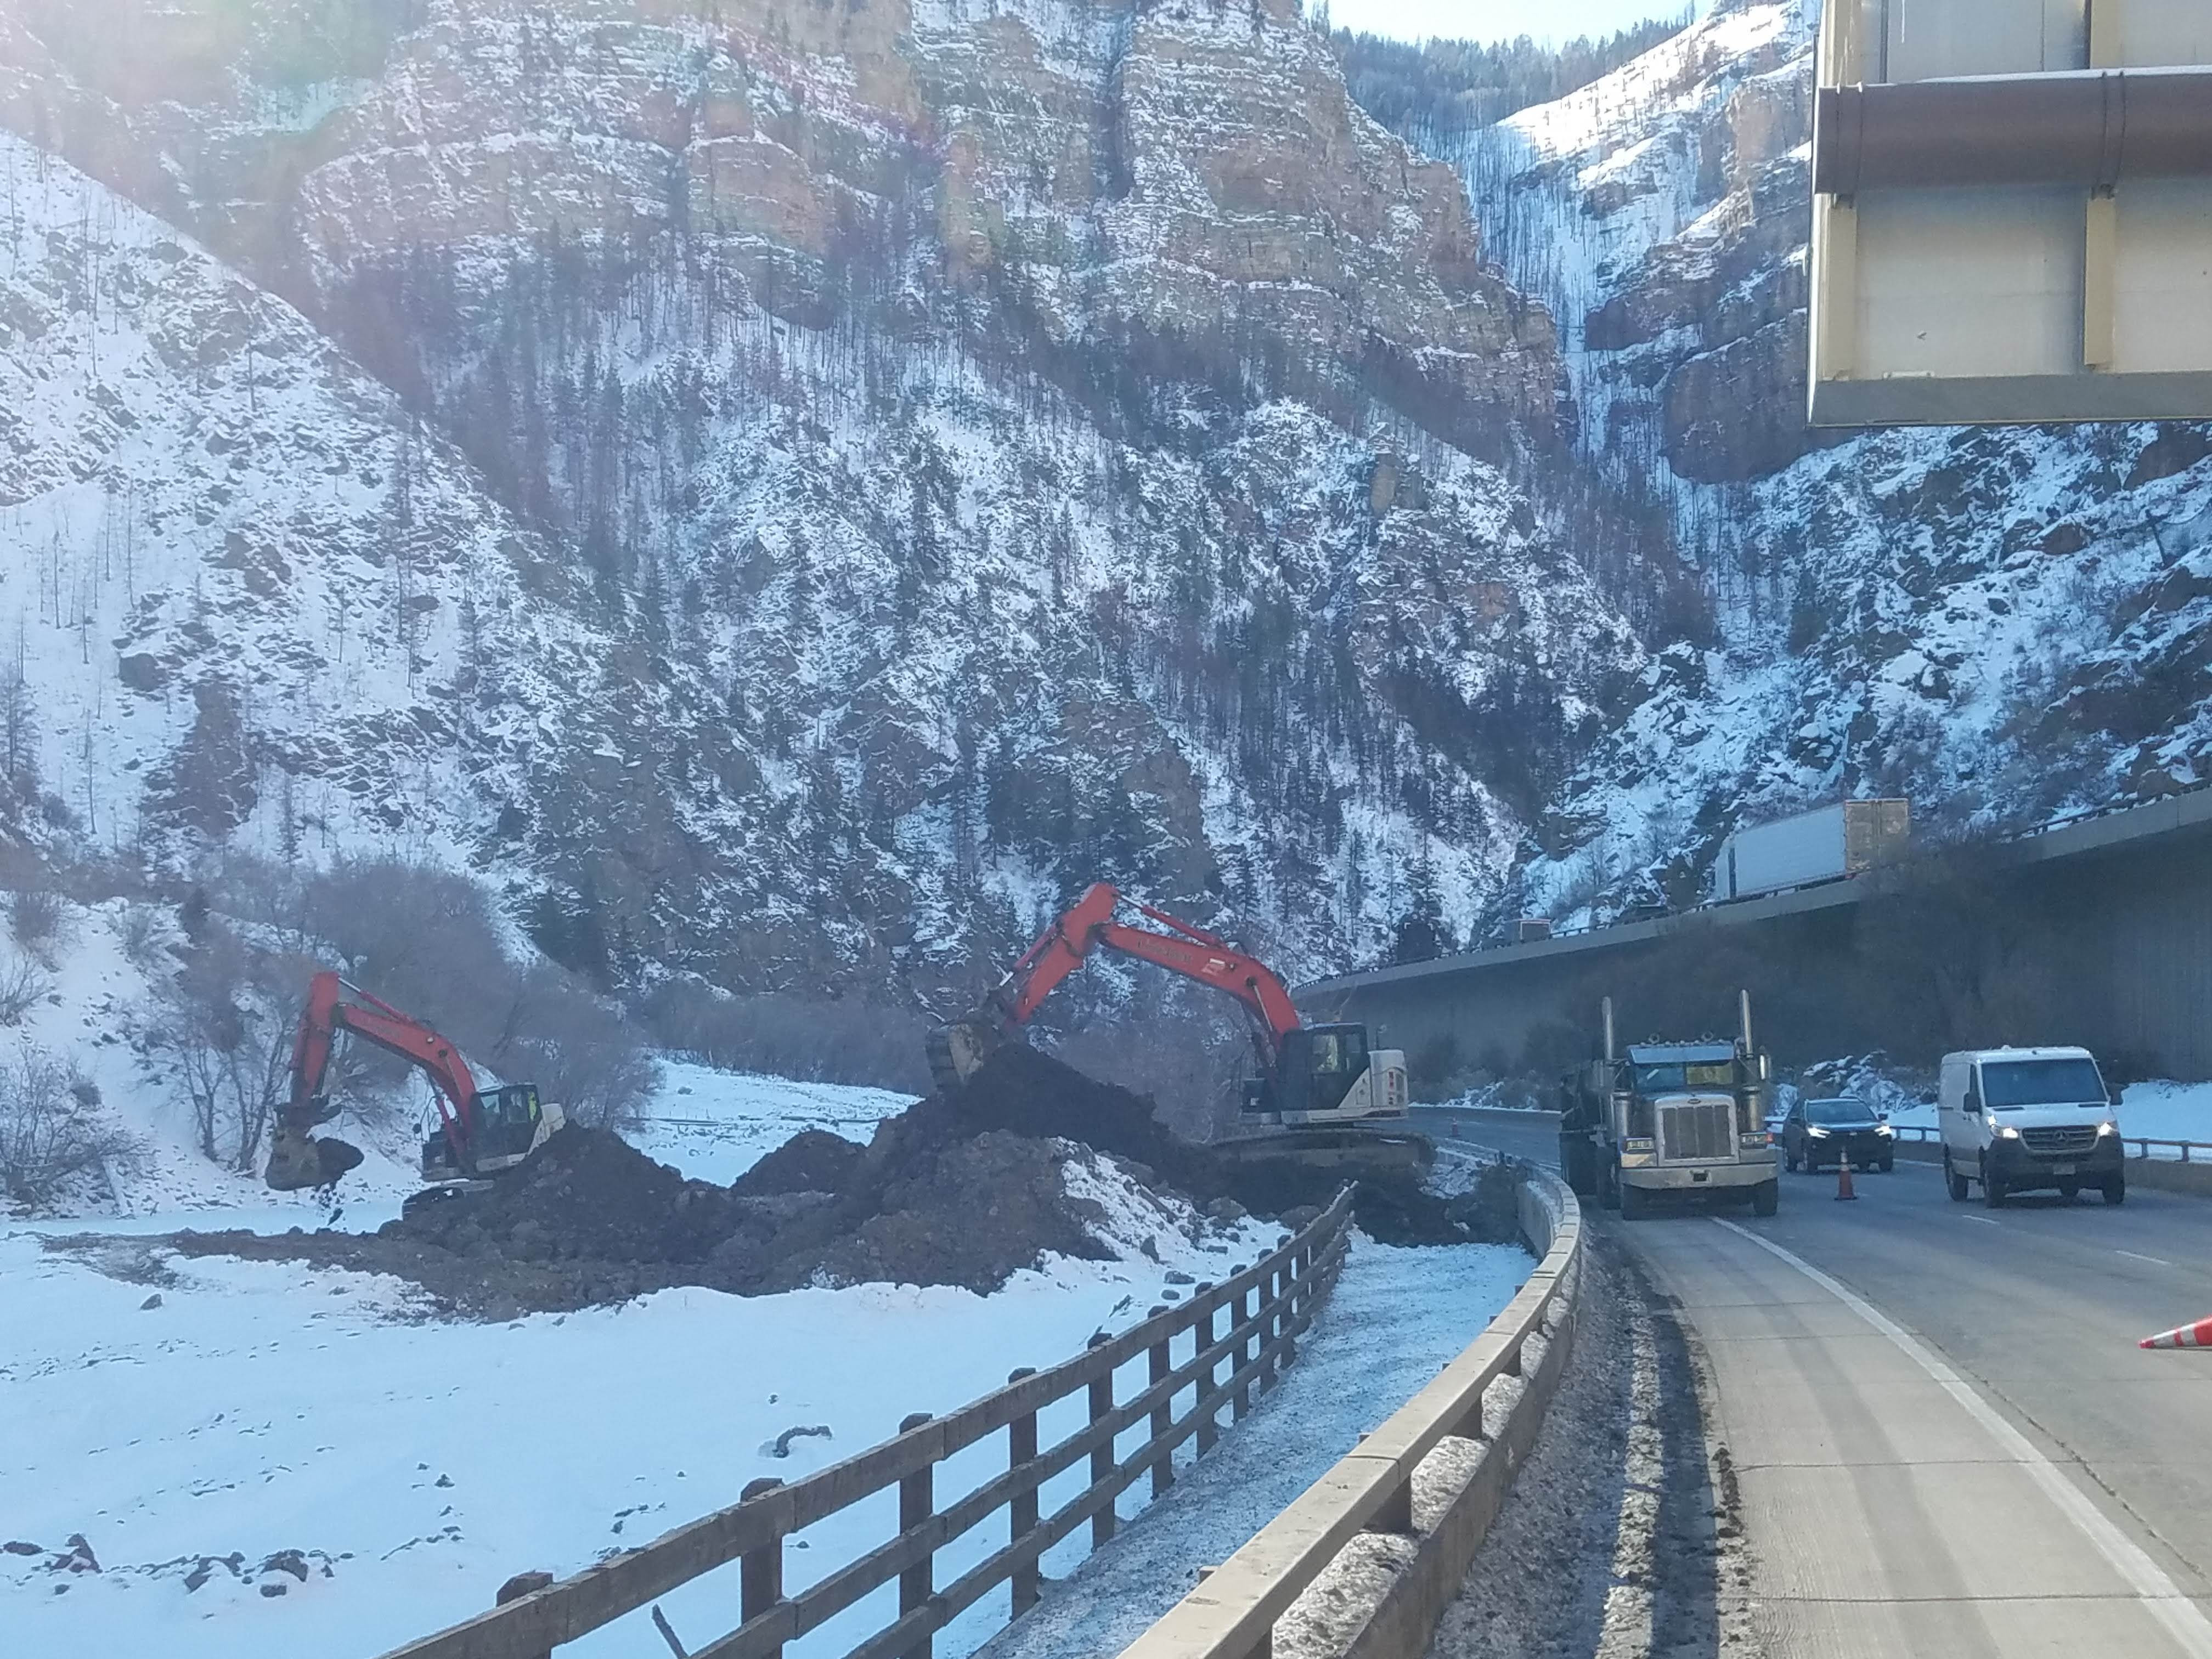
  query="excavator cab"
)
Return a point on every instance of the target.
[
  {"x": 508, "y": 1123},
  {"x": 1316, "y": 1067}
]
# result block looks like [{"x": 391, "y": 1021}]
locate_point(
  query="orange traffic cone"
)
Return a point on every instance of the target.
[
  {"x": 2198, "y": 1335},
  {"x": 1843, "y": 1178}
]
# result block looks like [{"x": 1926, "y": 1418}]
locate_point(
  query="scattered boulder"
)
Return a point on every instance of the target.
[{"x": 522, "y": 1584}]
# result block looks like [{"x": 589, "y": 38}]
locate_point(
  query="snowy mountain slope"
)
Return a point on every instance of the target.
[
  {"x": 2000, "y": 625},
  {"x": 972, "y": 453},
  {"x": 244, "y": 591}
]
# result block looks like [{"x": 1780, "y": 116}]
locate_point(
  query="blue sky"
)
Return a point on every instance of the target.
[{"x": 1493, "y": 19}]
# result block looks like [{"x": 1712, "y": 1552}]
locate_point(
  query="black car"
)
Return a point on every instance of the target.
[{"x": 1817, "y": 1134}]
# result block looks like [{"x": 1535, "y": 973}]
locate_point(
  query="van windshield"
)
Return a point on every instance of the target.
[{"x": 2011, "y": 1083}]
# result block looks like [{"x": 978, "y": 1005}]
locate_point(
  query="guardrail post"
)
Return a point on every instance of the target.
[
  {"x": 1271, "y": 1324},
  {"x": 1294, "y": 1297},
  {"x": 1241, "y": 1402},
  {"x": 1158, "y": 1368},
  {"x": 760, "y": 1572},
  {"x": 1102, "y": 1456},
  {"x": 917, "y": 1502},
  {"x": 1022, "y": 1508},
  {"x": 1208, "y": 1431}
]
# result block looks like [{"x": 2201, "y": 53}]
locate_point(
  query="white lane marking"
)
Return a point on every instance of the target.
[
  {"x": 2161, "y": 1597},
  {"x": 2154, "y": 1261},
  {"x": 1982, "y": 1220}
]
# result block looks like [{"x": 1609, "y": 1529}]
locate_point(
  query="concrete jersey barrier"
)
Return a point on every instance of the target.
[{"x": 1232, "y": 1612}]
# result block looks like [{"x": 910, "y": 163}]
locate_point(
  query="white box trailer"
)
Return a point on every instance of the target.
[{"x": 1825, "y": 844}]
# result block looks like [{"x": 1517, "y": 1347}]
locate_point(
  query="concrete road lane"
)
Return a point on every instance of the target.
[
  {"x": 1944, "y": 1436},
  {"x": 1532, "y": 1135}
]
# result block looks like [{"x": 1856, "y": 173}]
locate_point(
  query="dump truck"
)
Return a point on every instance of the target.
[
  {"x": 1845, "y": 838},
  {"x": 1663, "y": 1118}
]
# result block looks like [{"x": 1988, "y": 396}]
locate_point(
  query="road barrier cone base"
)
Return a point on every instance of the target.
[
  {"x": 2198, "y": 1335},
  {"x": 1844, "y": 1179}
]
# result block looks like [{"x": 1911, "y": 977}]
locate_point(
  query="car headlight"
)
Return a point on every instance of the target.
[
  {"x": 1818, "y": 1134},
  {"x": 1883, "y": 1129}
]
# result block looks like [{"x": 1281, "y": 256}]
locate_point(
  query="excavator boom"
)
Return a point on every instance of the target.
[{"x": 1089, "y": 925}]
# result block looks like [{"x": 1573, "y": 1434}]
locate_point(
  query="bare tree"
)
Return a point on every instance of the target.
[
  {"x": 230, "y": 1014},
  {"x": 22, "y": 983},
  {"x": 50, "y": 1128}
]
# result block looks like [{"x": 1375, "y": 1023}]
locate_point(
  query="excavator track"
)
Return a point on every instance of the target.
[{"x": 1357, "y": 1153}]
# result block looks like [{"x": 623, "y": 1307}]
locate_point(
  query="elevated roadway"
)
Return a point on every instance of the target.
[
  {"x": 2113, "y": 911},
  {"x": 1942, "y": 1436}
]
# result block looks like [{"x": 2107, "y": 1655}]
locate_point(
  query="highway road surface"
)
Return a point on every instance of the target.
[{"x": 1945, "y": 1438}]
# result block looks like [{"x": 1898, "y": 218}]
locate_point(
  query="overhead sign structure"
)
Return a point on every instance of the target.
[{"x": 2012, "y": 211}]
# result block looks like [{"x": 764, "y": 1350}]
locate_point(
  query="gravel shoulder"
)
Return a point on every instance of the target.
[{"x": 1622, "y": 1537}]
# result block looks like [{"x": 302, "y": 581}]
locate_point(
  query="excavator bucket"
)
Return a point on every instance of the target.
[
  {"x": 298, "y": 1160},
  {"x": 957, "y": 1050}
]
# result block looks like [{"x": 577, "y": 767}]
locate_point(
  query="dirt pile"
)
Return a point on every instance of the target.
[{"x": 965, "y": 1187}]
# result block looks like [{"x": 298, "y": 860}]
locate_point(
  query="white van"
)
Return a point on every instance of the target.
[{"x": 2019, "y": 1119}]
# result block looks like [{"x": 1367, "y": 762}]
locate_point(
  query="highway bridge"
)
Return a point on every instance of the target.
[
  {"x": 2104, "y": 919},
  {"x": 1940, "y": 1433}
]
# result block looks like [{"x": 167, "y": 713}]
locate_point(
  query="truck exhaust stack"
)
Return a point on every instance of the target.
[{"x": 1607, "y": 1008}]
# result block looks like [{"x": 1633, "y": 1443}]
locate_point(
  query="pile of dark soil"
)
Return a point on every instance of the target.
[
  {"x": 811, "y": 1161},
  {"x": 965, "y": 1187}
]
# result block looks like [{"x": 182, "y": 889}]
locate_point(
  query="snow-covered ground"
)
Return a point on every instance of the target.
[
  {"x": 716, "y": 1125},
  {"x": 1396, "y": 1318},
  {"x": 193, "y": 1420}
]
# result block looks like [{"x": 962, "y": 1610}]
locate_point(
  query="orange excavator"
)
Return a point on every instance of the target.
[
  {"x": 478, "y": 1133},
  {"x": 1311, "y": 1077}
]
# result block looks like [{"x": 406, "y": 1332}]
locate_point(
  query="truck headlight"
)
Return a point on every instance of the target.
[
  {"x": 2004, "y": 1131},
  {"x": 2108, "y": 1127}
]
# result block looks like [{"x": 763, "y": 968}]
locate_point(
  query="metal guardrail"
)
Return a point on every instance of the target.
[
  {"x": 1231, "y": 1614},
  {"x": 1269, "y": 1305},
  {"x": 1922, "y": 1133}
]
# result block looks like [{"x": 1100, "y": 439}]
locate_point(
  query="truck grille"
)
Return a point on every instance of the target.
[
  {"x": 2071, "y": 1141},
  {"x": 1703, "y": 1131}
]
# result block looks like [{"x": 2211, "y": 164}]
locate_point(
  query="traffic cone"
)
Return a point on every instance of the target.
[
  {"x": 1843, "y": 1178},
  {"x": 2198, "y": 1335}
]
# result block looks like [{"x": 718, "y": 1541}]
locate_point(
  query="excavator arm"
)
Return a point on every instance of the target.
[
  {"x": 1089, "y": 925},
  {"x": 295, "y": 1160}
]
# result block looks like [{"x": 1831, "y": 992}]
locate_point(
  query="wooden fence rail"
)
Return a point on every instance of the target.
[{"x": 1267, "y": 1307}]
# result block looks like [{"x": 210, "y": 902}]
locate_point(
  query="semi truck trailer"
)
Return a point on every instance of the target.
[{"x": 1825, "y": 844}]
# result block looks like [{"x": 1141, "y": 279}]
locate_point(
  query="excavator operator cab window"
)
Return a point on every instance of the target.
[
  {"x": 1336, "y": 1059},
  {"x": 509, "y": 1117}
]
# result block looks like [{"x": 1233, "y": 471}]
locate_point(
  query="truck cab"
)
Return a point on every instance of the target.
[
  {"x": 1670, "y": 1117},
  {"x": 2018, "y": 1119}
]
